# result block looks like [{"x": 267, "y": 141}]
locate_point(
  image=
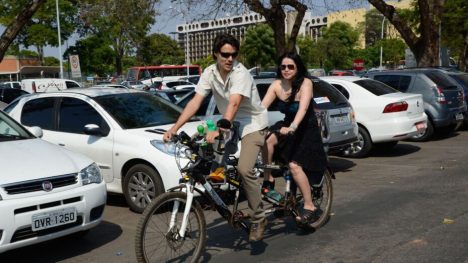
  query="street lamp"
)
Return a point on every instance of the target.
[
  {"x": 381, "y": 42},
  {"x": 59, "y": 39}
]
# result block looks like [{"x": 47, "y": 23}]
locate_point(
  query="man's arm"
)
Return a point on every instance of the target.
[
  {"x": 190, "y": 110},
  {"x": 234, "y": 103}
]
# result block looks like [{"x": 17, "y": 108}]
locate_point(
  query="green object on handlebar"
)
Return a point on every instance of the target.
[
  {"x": 211, "y": 125},
  {"x": 201, "y": 129}
]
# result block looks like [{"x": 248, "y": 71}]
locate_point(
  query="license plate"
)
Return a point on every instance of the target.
[
  {"x": 341, "y": 119},
  {"x": 53, "y": 218},
  {"x": 458, "y": 116}
]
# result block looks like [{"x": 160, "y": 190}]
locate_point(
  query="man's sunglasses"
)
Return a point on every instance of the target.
[
  {"x": 227, "y": 54},
  {"x": 289, "y": 66}
]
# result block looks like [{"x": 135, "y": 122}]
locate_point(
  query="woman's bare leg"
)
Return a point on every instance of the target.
[
  {"x": 267, "y": 154},
  {"x": 303, "y": 183}
]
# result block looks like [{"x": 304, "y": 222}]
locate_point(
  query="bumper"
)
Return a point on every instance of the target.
[
  {"x": 16, "y": 219},
  {"x": 395, "y": 129}
]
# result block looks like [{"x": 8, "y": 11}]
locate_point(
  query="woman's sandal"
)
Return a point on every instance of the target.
[{"x": 308, "y": 217}]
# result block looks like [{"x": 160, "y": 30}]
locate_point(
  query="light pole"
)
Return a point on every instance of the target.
[
  {"x": 187, "y": 57},
  {"x": 59, "y": 39},
  {"x": 381, "y": 42}
]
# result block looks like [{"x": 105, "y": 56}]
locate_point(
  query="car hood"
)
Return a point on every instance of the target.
[
  {"x": 30, "y": 159},
  {"x": 190, "y": 128}
]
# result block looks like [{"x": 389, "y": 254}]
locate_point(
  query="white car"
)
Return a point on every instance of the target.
[
  {"x": 384, "y": 115},
  {"x": 171, "y": 84},
  {"x": 46, "y": 191},
  {"x": 116, "y": 129}
]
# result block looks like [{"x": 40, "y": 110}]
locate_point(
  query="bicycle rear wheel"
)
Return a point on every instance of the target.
[
  {"x": 157, "y": 241},
  {"x": 322, "y": 196}
]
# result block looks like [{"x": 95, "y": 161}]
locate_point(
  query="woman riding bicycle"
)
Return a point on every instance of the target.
[{"x": 297, "y": 137}]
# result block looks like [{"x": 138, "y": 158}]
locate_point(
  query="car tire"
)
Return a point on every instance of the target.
[
  {"x": 362, "y": 147},
  {"x": 141, "y": 185},
  {"x": 426, "y": 135}
]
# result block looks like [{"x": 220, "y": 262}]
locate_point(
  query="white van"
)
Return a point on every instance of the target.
[{"x": 48, "y": 85}]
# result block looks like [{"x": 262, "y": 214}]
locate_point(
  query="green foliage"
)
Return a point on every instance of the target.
[
  {"x": 205, "y": 62},
  {"x": 310, "y": 52},
  {"x": 338, "y": 43},
  {"x": 41, "y": 30},
  {"x": 157, "y": 49},
  {"x": 96, "y": 55},
  {"x": 455, "y": 28},
  {"x": 258, "y": 48},
  {"x": 51, "y": 61}
]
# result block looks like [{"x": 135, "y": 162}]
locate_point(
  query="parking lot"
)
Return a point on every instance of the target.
[{"x": 406, "y": 205}]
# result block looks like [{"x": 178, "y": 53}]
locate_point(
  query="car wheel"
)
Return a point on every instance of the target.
[
  {"x": 362, "y": 147},
  {"x": 425, "y": 135},
  {"x": 141, "y": 185}
]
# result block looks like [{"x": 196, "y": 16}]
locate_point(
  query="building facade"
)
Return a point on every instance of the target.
[{"x": 13, "y": 68}]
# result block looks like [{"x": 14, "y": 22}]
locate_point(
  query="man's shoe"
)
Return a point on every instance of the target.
[{"x": 256, "y": 230}]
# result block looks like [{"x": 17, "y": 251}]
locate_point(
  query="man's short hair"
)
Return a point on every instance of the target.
[{"x": 224, "y": 39}]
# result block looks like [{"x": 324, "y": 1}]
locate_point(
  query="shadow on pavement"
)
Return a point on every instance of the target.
[
  {"x": 399, "y": 150},
  {"x": 340, "y": 164},
  {"x": 65, "y": 247},
  {"x": 117, "y": 200}
]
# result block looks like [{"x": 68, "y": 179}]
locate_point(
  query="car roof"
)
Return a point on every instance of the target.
[
  {"x": 94, "y": 92},
  {"x": 346, "y": 78}
]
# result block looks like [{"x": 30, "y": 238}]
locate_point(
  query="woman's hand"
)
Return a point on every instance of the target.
[{"x": 286, "y": 130}]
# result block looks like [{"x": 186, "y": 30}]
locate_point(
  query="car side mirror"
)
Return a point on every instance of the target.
[
  {"x": 92, "y": 129},
  {"x": 36, "y": 131}
]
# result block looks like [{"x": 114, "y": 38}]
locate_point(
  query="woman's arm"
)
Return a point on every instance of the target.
[
  {"x": 270, "y": 96},
  {"x": 304, "y": 102}
]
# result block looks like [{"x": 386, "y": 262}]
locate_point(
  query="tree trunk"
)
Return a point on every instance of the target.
[
  {"x": 425, "y": 47},
  {"x": 16, "y": 25},
  {"x": 40, "y": 51}
]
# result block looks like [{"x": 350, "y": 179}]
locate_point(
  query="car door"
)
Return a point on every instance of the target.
[{"x": 62, "y": 120}]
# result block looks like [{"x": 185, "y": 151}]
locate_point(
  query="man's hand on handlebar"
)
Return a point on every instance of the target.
[
  {"x": 168, "y": 135},
  {"x": 211, "y": 136}
]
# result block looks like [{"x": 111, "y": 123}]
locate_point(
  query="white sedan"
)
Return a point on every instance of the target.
[
  {"x": 384, "y": 115},
  {"x": 116, "y": 129},
  {"x": 46, "y": 191}
]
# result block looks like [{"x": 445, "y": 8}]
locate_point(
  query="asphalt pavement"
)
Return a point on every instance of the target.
[{"x": 409, "y": 204}]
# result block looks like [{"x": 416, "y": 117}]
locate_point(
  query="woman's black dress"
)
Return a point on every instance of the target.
[{"x": 305, "y": 146}]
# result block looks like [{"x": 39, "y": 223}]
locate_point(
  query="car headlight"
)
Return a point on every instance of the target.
[
  {"x": 167, "y": 148},
  {"x": 91, "y": 174}
]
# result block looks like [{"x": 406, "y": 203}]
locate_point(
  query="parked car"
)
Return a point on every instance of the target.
[
  {"x": 134, "y": 84},
  {"x": 384, "y": 115},
  {"x": 115, "y": 128},
  {"x": 317, "y": 72},
  {"x": 113, "y": 86},
  {"x": 11, "y": 84},
  {"x": 192, "y": 79},
  {"x": 171, "y": 84},
  {"x": 46, "y": 191},
  {"x": 339, "y": 115},
  {"x": 7, "y": 95},
  {"x": 48, "y": 85},
  {"x": 462, "y": 80},
  {"x": 443, "y": 98},
  {"x": 336, "y": 72},
  {"x": 265, "y": 75},
  {"x": 171, "y": 95}
]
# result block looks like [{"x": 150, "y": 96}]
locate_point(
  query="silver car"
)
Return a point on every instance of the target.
[{"x": 332, "y": 109}]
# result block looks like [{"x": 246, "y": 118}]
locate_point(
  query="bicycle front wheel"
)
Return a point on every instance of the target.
[
  {"x": 158, "y": 231},
  {"x": 322, "y": 197}
]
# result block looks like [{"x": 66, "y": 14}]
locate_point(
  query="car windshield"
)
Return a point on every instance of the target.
[
  {"x": 139, "y": 110},
  {"x": 375, "y": 87},
  {"x": 10, "y": 130}
]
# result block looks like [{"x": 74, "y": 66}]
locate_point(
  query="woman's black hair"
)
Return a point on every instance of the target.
[{"x": 300, "y": 75}]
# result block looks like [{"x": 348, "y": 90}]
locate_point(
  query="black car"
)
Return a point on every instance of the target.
[{"x": 8, "y": 94}]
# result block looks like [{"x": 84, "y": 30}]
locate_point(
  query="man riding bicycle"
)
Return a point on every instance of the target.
[{"x": 237, "y": 99}]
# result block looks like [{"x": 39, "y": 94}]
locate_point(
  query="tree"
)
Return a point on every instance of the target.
[
  {"x": 423, "y": 42},
  {"x": 41, "y": 29},
  {"x": 258, "y": 48},
  {"x": 310, "y": 52},
  {"x": 338, "y": 43},
  {"x": 205, "y": 62},
  {"x": 123, "y": 23},
  {"x": 157, "y": 49},
  {"x": 455, "y": 30},
  {"x": 96, "y": 55},
  {"x": 14, "y": 27}
]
